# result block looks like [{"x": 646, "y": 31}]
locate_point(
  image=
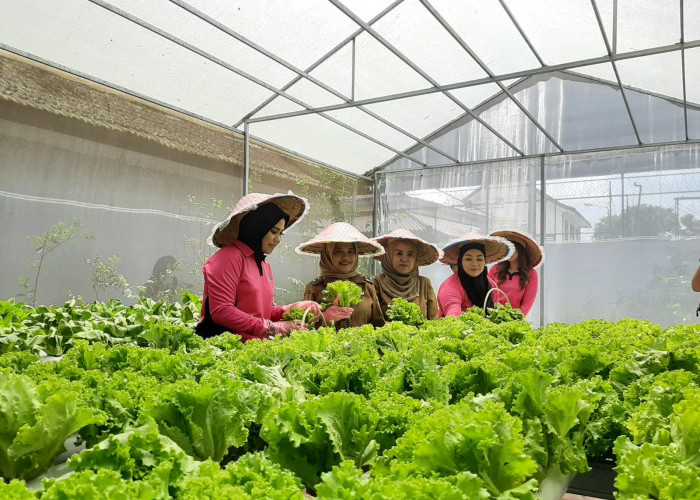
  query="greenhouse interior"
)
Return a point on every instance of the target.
[{"x": 130, "y": 130}]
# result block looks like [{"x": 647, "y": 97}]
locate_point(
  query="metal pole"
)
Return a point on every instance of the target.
[
  {"x": 543, "y": 232},
  {"x": 246, "y": 159},
  {"x": 622, "y": 205}
]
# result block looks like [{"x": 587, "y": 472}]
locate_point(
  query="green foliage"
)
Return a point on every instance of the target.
[
  {"x": 54, "y": 330},
  {"x": 55, "y": 236},
  {"x": 311, "y": 437},
  {"x": 33, "y": 430},
  {"x": 350, "y": 294},
  {"x": 406, "y": 312},
  {"x": 503, "y": 313},
  {"x": 103, "y": 276},
  {"x": 482, "y": 439},
  {"x": 299, "y": 314},
  {"x": 644, "y": 220},
  {"x": 456, "y": 408}
]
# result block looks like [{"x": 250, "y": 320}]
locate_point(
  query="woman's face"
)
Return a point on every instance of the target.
[
  {"x": 473, "y": 262},
  {"x": 514, "y": 258},
  {"x": 344, "y": 257},
  {"x": 273, "y": 237},
  {"x": 403, "y": 257}
]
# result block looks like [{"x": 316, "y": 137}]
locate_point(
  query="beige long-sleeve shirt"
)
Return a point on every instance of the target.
[{"x": 366, "y": 312}]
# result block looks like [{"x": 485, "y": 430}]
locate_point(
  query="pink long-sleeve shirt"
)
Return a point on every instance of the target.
[
  {"x": 519, "y": 298},
  {"x": 239, "y": 298},
  {"x": 453, "y": 300}
]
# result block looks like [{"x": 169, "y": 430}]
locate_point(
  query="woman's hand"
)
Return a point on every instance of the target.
[
  {"x": 313, "y": 307},
  {"x": 336, "y": 312},
  {"x": 287, "y": 327}
]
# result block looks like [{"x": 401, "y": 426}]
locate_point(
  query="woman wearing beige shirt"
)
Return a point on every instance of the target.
[
  {"x": 340, "y": 245},
  {"x": 405, "y": 253}
]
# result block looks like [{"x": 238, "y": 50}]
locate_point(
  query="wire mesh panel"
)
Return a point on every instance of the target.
[{"x": 639, "y": 249}]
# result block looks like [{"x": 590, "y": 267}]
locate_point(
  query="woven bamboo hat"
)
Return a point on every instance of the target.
[
  {"x": 535, "y": 253},
  {"x": 341, "y": 232},
  {"x": 226, "y": 232},
  {"x": 427, "y": 253},
  {"x": 497, "y": 248}
]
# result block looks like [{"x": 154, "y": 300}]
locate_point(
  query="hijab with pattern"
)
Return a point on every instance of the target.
[
  {"x": 475, "y": 287},
  {"x": 393, "y": 284}
]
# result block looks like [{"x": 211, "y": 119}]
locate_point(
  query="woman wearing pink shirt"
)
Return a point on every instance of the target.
[
  {"x": 470, "y": 285},
  {"x": 239, "y": 286},
  {"x": 517, "y": 276}
]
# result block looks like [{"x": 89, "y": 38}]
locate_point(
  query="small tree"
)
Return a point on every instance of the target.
[
  {"x": 691, "y": 225},
  {"x": 55, "y": 236},
  {"x": 103, "y": 275}
]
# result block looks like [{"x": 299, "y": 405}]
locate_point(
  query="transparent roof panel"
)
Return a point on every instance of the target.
[
  {"x": 311, "y": 35},
  {"x": 657, "y": 74},
  {"x": 692, "y": 76},
  {"x": 185, "y": 25},
  {"x": 503, "y": 50},
  {"x": 582, "y": 113},
  {"x": 448, "y": 197},
  {"x": 420, "y": 115},
  {"x": 336, "y": 71},
  {"x": 109, "y": 48},
  {"x": 277, "y": 106},
  {"x": 378, "y": 72},
  {"x": 312, "y": 94},
  {"x": 470, "y": 141},
  {"x": 604, "y": 72},
  {"x": 473, "y": 96},
  {"x": 691, "y": 20},
  {"x": 298, "y": 31},
  {"x": 323, "y": 140},
  {"x": 435, "y": 51},
  {"x": 513, "y": 124},
  {"x": 380, "y": 131},
  {"x": 641, "y": 25},
  {"x": 367, "y": 10},
  {"x": 560, "y": 30}
]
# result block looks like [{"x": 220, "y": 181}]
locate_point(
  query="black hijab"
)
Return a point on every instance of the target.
[
  {"x": 255, "y": 225},
  {"x": 476, "y": 288}
]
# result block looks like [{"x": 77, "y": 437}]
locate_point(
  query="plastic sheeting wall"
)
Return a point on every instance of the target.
[
  {"x": 621, "y": 228},
  {"x": 142, "y": 184},
  {"x": 135, "y": 200}
]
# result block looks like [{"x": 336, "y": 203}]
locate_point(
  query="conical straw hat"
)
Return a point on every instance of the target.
[
  {"x": 535, "y": 253},
  {"x": 226, "y": 232},
  {"x": 427, "y": 252},
  {"x": 497, "y": 248},
  {"x": 341, "y": 232}
]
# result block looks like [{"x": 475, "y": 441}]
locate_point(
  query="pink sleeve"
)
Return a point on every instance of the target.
[
  {"x": 276, "y": 313},
  {"x": 222, "y": 285},
  {"x": 530, "y": 292},
  {"x": 449, "y": 299}
]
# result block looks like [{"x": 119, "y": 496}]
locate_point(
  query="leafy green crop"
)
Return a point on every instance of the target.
[
  {"x": 502, "y": 313},
  {"x": 299, "y": 314},
  {"x": 350, "y": 294},
  {"x": 32, "y": 431},
  {"x": 406, "y": 312}
]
